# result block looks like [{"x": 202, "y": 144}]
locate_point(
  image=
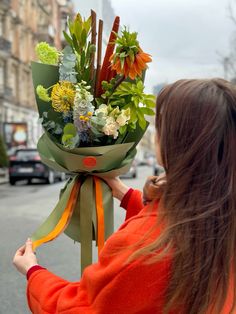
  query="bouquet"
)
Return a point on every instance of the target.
[{"x": 93, "y": 115}]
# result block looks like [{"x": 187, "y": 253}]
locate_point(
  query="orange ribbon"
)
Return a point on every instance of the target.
[
  {"x": 64, "y": 220},
  {"x": 100, "y": 214}
]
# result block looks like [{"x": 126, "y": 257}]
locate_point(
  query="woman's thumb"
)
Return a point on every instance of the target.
[{"x": 28, "y": 246}]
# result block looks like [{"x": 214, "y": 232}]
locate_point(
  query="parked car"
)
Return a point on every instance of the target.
[
  {"x": 132, "y": 173},
  {"x": 157, "y": 169},
  {"x": 148, "y": 159},
  {"x": 26, "y": 165}
]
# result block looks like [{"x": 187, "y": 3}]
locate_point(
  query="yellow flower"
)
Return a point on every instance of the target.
[
  {"x": 63, "y": 94},
  {"x": 86, "y": 119},
  {"x": 82, "y": 118},
  {"x": 90, "y": 114}
]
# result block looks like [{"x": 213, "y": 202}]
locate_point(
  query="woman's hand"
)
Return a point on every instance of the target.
[
  {"x": 25, "y": 258},
  {"x": 119, "y": 189},
  {"x": 153, "y": 188}
]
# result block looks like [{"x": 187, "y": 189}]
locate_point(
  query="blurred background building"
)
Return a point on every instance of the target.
[
  {"x": 103, "y": 9},
  {"x": 23, "y": 23}
]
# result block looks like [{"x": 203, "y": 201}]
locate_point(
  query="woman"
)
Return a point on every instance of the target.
[{"x": 177, "y": 253}]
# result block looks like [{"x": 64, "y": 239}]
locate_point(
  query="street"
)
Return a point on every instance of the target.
[{"x": 23, "y": 208}]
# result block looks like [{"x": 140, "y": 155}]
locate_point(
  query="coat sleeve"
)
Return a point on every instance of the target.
[
  {"x": 109, "y": 286},
  {"x": 132, "y": 202}
]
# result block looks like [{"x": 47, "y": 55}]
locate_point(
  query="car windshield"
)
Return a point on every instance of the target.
[{"x": 27, "y": 154}]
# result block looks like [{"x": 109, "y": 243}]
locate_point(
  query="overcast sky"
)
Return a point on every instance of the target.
[{"x": 183, "y": 36}]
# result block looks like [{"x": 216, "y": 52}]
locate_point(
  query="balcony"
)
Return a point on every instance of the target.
[
  {"x": 5, "y": 5},
  {"x": 5, "y": 47}
]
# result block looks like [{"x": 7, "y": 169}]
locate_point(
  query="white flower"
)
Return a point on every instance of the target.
[
  {"x": 82, "y": 102},
  {"x": 115, "y": 112},
  {"x": 83, "y": 93},
  {"x": 124, "y": 117},
  {"x": 110, "y": 120},
  {"x": 102, "y": 109},
  {"x": 88, "y": 97},
  {"x": 81, "y": 108},
  {"x": 122, "y": 120},
  {"x": 111, "y": 127}
]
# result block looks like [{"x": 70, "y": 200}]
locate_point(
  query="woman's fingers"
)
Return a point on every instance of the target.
[
  {"x": 28, "y": 246},
  {"x": 153, "y": 187},
  {"x": 20, "y": 251}
]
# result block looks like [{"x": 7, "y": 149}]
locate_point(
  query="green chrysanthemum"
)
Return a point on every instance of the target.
[
  {"x": 43, "y": 93},
  {"x": 46, "y": 53}
]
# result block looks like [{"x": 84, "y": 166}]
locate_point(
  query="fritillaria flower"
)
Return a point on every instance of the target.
[{"x": 129, "y": 59}]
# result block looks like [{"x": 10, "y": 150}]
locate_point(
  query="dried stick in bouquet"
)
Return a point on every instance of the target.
[
  {"x": 106, "y": 70},
  {"x": 99, "y": 57}
]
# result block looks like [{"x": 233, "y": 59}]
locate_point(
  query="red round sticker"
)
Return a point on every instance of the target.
[{"x": 89, "y": 162}]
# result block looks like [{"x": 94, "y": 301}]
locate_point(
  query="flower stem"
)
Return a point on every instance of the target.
[{"x": 118, "y": 82}]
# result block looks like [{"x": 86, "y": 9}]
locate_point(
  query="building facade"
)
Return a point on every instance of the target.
[{"x": 23, "y": 23}]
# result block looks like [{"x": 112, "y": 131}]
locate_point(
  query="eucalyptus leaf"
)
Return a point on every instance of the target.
[
  {"x": 58, "y": 130},
  {"x": 45, "y": 115}
]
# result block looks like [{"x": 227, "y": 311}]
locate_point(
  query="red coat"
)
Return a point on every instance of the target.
[{"x": 110, "y": 286}]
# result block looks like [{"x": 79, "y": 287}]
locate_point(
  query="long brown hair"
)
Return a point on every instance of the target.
[{"x": 196, "y": 127}]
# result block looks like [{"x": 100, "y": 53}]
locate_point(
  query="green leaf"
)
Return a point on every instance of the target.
[
  {"x": 70, "y": 26},
  {"x": 87, "y": 24},
  {"x": 123, "y": 54},
  {"x": 66, "y": 137},
  {"x": 122, "y": 62},
  {"x": 77, "y": 28},
  {"x": 136, "y": 100},
  {"x": 70, "y": 129},
  {"x": 133, "y": 116},
  {"x": 70, "y": 141},
  {"x": 141, "y": 120},
  {"x": 123, "y": 87},
  {"x": 131, "y": 55},
  {"x": 75, "y": 43},
  {"x": 140, "y": 86},
  {"x": 147, "y": 111},
  {"x": 82, "y": 61},
  {"x": 149, "y": 103},
  {"x": 123, "y": 129},
  {"x": 83, "y": 38},
  {"x": 68, "y": 38}
]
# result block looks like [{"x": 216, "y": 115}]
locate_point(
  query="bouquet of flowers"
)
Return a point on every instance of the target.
[{"x": 93, "y": 117}]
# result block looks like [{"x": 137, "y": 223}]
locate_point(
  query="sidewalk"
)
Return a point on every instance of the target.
[{"x": 3, "y": 176}]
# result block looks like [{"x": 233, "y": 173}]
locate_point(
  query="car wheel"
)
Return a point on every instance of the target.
[
  {"x": 12, "y": 181},
  {"x": 51, "y": 177},
  {"x": 29, "y": 181},
  {"x": 134, "y": 175}
]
